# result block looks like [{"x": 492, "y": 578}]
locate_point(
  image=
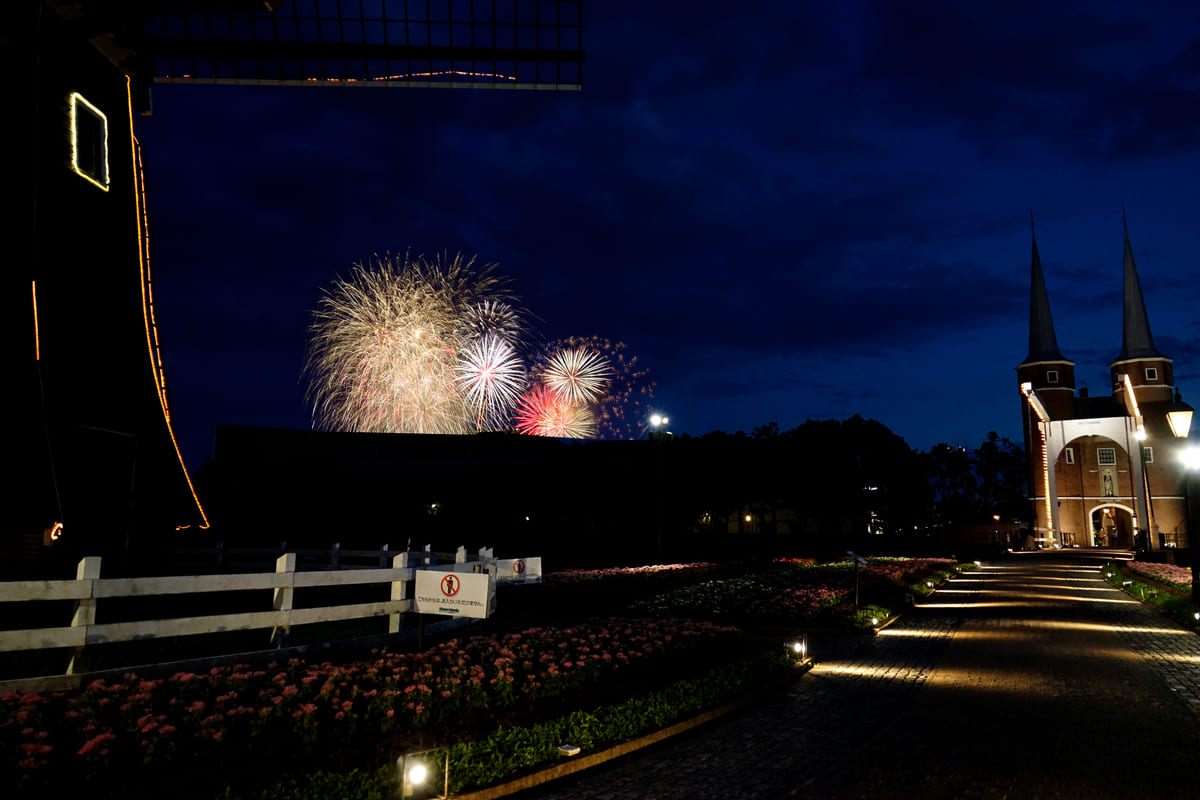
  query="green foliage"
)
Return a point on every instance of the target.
[
  {"x": 353, "y": 785},
  {"x": 861, "y": 618},
  {"x": 510, "y": 752},
  {"x": 1164, "y": 596}
]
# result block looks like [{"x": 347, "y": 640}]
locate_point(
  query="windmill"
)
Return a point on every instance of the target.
[{"x": 91, "y": 432}]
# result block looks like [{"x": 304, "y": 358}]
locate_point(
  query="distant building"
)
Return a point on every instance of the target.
[{"x": 1103, "y": 471}]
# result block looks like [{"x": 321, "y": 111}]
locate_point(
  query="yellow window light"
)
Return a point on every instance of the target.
[{"x": 89, "y": 141}]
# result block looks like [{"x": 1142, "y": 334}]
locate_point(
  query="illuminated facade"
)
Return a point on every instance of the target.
[{"x": 1103, "y": 471}]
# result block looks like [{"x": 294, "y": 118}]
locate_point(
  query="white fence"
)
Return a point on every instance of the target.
[{"x": 88, "y": 588}]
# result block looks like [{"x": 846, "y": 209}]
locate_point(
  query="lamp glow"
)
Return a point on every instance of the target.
[{"x": 1180, "y": 421}]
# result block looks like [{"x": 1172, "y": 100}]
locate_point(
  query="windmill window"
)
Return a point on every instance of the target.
[
  {"x": 1151, "y": 373},
  {"x": 1106, "y": 456},
  {"x": 1051, "y": 376},
  {"x": 89, "y": 141},
  {"x": 1070, "y": 455}
]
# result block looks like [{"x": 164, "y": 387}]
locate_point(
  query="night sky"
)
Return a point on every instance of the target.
[{"x": 808, "y": 211}]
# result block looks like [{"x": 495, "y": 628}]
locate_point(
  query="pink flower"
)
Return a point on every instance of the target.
[{"x": 97, "y": 743}]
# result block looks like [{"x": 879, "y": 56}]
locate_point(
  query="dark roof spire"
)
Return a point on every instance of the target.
[
  {"x": 1137, "y": 341},
  {"x": 1043, "y": 344}
]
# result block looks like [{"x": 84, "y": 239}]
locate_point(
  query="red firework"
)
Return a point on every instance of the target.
[{"x": 542, "y": 412}]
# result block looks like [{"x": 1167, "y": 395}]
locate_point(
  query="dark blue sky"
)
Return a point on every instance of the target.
[{"x": 787, "y": 210}]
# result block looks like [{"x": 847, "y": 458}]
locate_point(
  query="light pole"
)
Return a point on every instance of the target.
[
  {"x": 657, "y": 421},
  {"x": 1191, "y": 462},
  {"x": 1180, "y": 420}
]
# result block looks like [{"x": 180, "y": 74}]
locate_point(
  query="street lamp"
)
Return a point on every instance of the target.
[
  {"x": 1180, "y": 420},
  {"x": 657, "y": 421},
  {"x": 1191, "y": 463}
]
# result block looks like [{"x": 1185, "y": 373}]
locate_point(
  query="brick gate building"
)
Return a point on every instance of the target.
[{"x": 1104, "y": 471}]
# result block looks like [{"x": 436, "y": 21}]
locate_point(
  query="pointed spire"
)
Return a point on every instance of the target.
[
  {"x": 1043, "y": 344},
  {"x": 1137, "y": 341}
]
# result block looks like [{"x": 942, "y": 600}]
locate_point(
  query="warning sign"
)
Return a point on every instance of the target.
[{"x": 459, "y": 594}]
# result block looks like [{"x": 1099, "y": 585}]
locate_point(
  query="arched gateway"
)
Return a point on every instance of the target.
[{"x": 1104, "y": 471}]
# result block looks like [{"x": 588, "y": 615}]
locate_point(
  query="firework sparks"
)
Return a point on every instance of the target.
[
  {"x": 620, "y": 406},
  {"x": 491, "y": 374},
  {"x": 491, "y": 318},
  {"x": 412, "y": 346},
  {"x": 542, "y": 412},
  {"x": 579, "y": 374},
  {"x": 385, "y": 344}
]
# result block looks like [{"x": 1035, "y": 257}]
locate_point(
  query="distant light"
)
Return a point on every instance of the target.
[{"x": 417, "y": 773}]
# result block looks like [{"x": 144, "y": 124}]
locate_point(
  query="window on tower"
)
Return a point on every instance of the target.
[
  {"x": 1151, "y": 373},
  {"x": 1106, "y": 456},
  {"x": 89, "y": 141},
  {"x": 1070, "y": 453},
  {"x": 1051, "y": 376},
  {"x": 1147, "y": 455}
]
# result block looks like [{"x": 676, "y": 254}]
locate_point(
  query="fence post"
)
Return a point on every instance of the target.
[
  {"x": 460, "y": 555},
  {"x": 284, "y": 597},
  {"x": 220, "y": 555},
  {"x": 383, "y": 555},
  {"x": 399, "y": 591},
  {"x": 85, "y": 610},
  {"x": 335, "y": 555},
  {"x": 427, "y": 559}
]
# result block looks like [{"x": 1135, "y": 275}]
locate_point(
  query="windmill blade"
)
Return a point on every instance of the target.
[{"x": 510, "y": 44}]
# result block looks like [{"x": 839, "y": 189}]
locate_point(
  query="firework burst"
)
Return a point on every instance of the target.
[
  {"x": 543, "y": 412},
  {"x": 579, "y": 374},
  {"x": 491, "y": 375},
  {"x": 623, "y": 399},
  {"x": 492, "y": 318},
  {"x": 413, "y": 346},
  {"x": 385, "y": 346}
]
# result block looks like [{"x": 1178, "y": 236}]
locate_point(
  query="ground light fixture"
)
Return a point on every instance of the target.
[
  {"x": 798, "y": 646},
  {"x": 417, "y": 773}
]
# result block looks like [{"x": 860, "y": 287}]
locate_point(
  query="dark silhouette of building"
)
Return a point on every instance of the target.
[{"x": 96, "y": 466}]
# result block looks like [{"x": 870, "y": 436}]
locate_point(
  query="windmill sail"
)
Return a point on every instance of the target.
[{"x": 517, "y": 44}]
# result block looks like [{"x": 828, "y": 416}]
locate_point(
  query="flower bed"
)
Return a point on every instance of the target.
[
  {"x": 794, "y": 591},
  {"x": 232, "y": 722},
  {"x": 1168, "y": 574},
  {"x": 1164, "y": 586}
]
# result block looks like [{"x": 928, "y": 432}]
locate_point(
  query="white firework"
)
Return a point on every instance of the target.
[
  {"x": 579, "y": 374},
  {"x": 491, "y": 375}
]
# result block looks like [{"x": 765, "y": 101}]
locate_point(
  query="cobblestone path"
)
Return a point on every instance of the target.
[{"x": 1031, "y": 678}]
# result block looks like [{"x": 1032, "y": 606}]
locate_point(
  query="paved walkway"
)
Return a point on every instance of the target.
[{"x": 1031, "y": 678}]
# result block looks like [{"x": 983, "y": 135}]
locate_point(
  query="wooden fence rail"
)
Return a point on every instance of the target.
[{"x": 88, "y": 588}]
